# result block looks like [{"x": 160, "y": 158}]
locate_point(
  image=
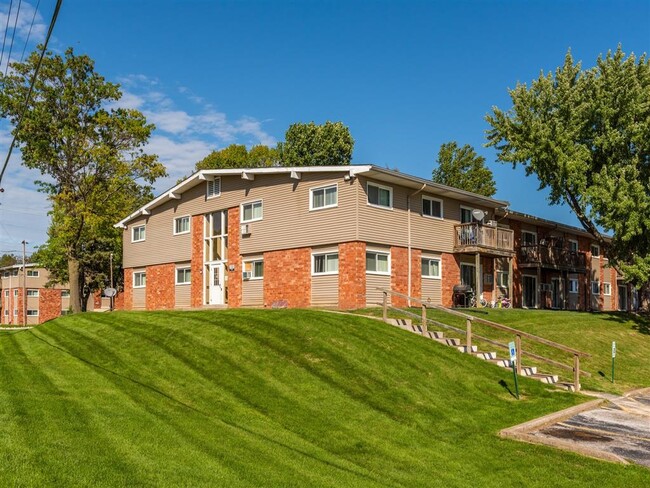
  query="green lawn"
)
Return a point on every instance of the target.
[{"x": 268, "y": 398}]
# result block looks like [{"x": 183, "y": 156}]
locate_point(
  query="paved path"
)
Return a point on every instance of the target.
[{"x": 613, "y": 428}]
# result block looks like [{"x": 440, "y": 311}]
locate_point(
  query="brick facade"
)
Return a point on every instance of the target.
[
  {"x": 399, "y": 275},
  {"x": 235, "y": 280},
  {"x": 49, "y": 304},
  {"x": 127, "y": 301},
  {"x": 197, "y": 261},
  {"x": 287, "y": 278},
  {"x": 161, "y": 287},
  {"x": 352, "y": 275},
  {"x": 450, "y": 277}
]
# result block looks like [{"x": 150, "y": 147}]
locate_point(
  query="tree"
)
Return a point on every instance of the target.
[
  {"x": 313, "y": 145},
  {"x": 237, "y": 156},
  {"x": 92, "y": 159},
  {"x": 462, "y": 168},
  {"x": 9, "y": 260},
  {"x": 585, "y": 134}
]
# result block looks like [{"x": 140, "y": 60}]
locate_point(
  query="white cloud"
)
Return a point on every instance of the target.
[
  {"x": 178, "y": 157},
  {"x": 172, "y": 121},
  {"x": 22, "y": 31}
]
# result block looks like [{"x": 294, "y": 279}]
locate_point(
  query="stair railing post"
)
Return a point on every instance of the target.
[
  {"x": 385, "y": 306},
  {"x": 468, "y": 338},
  {"x": 519, "y": 352},
  {"x": 576, "y": 372},
  {"x": 424, "y": 318}
]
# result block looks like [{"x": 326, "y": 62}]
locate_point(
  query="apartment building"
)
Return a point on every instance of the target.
[{"x": 332, "y": 236}]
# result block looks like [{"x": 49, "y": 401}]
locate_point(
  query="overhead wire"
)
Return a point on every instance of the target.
[
  {"x": 4, "y": 40},
  {"x": 55, "y": 14},
  {"x": 22, "y": 56},
  {"x": 13, "y": 36}
]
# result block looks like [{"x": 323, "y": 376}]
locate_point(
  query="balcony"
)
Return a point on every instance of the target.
[
  {"x": 550, "y": 257},
  {"x": 475, "y": 237}
]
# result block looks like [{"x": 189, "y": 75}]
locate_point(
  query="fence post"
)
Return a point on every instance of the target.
[
  {"x": 576, "y": 372},
  {"x": 468, "y": 338},
  {"x": 424, "y": 318},
  {"x": 519, "y": 353},
  {"x": 385, "y": 306}
]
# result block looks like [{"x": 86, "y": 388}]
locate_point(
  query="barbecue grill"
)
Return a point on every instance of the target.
[{"x": 461, "y": 293}]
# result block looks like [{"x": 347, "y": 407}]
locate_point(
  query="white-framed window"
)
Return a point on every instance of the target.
[
  {"x": 431, "y": 268},
  {"x": 6, "y": 293},
  {"x": 325, "y": 263},
  {"x": 323, "y": 197},
  {"x": 251, "y": 211},
  {"x": 213, "y": 187},
  {"x": 466, "y": 216},
  {"x": 183, "y": 276},
  {"x": 32, "y": 313},
  {"x": 138, "y": 233},
  {"x": 32, "y": 292},
  {"x": 573, "y": 286},
  {"x": 65, "y": 293},
  {"x": 379, "y": 195},
  {"x": 182, "y": 225},
  {"x": 573, "y": 245},
  {"x": 607, "y": 289},
  {"x": 431, "y": 207},
  {"x": 15, "y": 272},
  {"x": 33, "y": 273},
  {"x": 139, "y": 279},
  {"x": 254, "y": 269},
  {"x": 595, "y": 287},
  {"x": 595, "y": 250},
  {"x": 15, "y": 312},
  {"x": 6, "y": 312},
  {"x": 377, "y": 262},
  {"x": 503, "y": 279},
  {"x": 528, "y": 238},
  {"x": 5, "y": 274},
  {"x": 15, "y": 292}
]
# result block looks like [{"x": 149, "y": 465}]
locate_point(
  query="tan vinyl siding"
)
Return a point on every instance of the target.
[
  {"x": 375, "y": 297},
  {"x": 65, "y": 304},
  {"x": 253, "y": 293},
  {"x": 139, "y": 298},
  {"x": 432, "y": 288},
  {"x": 183, "y": 296},
  {"x": 607, "y": 303},
  {"x": 32, "y": 303},
  {"x": 325, "y": 290}
]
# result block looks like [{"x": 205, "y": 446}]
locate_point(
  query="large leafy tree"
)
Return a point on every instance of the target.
[
  {"x": 329, "y": 144},
  {"x": 91, "y": 157},
  {"x": 585, "y": 134},
  {"x": 238, "y": 156},
  {"x": 462, "y": 168}
]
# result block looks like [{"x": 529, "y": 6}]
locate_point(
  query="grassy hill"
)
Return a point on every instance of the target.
[{"x": 267, "y": 398}]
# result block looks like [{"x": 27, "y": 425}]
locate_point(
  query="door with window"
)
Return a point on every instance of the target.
[
  {"x": 215, "y": 251},
  {"x": 216, "y": 286},
  {"x": 468, "y": 276},
  {"x": 622, "y": 296},
  {"x": 556, "y": 293},
  {"x": 529, "y": 298}
]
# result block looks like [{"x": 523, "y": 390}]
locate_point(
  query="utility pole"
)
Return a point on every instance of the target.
[
  {"x": 111, "y": 273},
  {"x": 24, "y": 287}
]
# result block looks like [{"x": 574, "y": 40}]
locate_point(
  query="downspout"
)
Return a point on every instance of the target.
[{"x": 408, "y": 216}]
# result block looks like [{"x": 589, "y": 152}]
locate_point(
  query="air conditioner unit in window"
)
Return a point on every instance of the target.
[
  {"x": 491, "y": 223},
  {"x": 545, "y": 287},
  {"x": 245, "y": 229},
  {"x": 247, "y": 275}
]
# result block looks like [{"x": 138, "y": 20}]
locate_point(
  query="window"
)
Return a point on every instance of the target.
[
  {"x": 182, "y": 225},
  {"x": 213, "y": 188},
  {"x": 251, "y": 211},
  {"x": 15, "y": 312},
  {"x": 595, "y": 250},
  {"x": 466, "y": 216},
  {"x": 15, "y": 272},
  {"x": 254, "y": 270},
  {"x": 573, "y": 285},
  {"x": 183, "y": 276},
  {"x": 215, "y": 236},
  {"x": 5, "y": 274},
  {"x": 32, "y": 273},
  {"x": 65, "y": 312},
  {"x": 528, "y": 238},
  {"x": 381, "y": 196},
  {"x": 607, "y": 289},
  {"x": 6, "y": 312},
  {"x": 137, "y": 233},
  {"x": 32, "y": 293},
  {"x": 325, "y": 263},
  {"x": 432, "y": 207},
  {"x": 431, "y": 268},
  {"x": 139, "y": 279},
  {"x": 32, "y": 313},
  {"x": 323, "y": 197},
  {"x": 503, "y": 278},
  {"x": 377, "y": 262},
  {"x": 65, "y": 293},
  {"x": 6, "y": 293},
  {"x": 573, "y": 246},
  {"x": 595, "y": 287},
  {"x": 15, "y": 292}
]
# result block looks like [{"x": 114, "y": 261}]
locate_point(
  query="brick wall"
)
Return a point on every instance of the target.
[
  {"x": 416, "y": 274},
  {"x": 127, "y": 301},
  {"x": 287, "y": 277},
  {"x": 399, "y": 275},
  {"x": 161, "y": 293},
  {"x": 517, "y": 280},
  {"x": 450, "y": 277},
  {"x": 196, "y": 292},
  {"x": 235, "y": 279},
  {"x": 352, "y": 275},
  {"x": 49, "y": 304}
]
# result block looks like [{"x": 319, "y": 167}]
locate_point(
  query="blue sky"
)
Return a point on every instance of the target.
[{"x": 404, "y": 76}]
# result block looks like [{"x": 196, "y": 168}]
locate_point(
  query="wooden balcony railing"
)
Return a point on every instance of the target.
[
  {"x": 552, "y": 257},
  {"x": 482, "y": 236}
]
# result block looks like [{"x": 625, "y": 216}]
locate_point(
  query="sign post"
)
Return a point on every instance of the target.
[
  {"x": 613, "y": 358},
  {"x": 513, "y": 362}
]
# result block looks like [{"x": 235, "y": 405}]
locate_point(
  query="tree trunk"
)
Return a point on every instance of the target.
[
  {"x": 644, "y": 298},
  {"x": 73, "y": 283}
]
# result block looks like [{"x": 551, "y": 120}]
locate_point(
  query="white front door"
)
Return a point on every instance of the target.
[{"x": 216, "y": 285}]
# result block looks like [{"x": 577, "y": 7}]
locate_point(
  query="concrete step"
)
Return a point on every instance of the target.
[
  {"x": 448, "y": 341},
  {"x": 486, "y": 355},
  {"x": 400, "y": 322},
  {"x": 545, "y": 378},
  {"x": 566, "y": 386},
  {"x": 528, "y": 370},
  {"x": 504, "y": 363},
  {"x": 464, "y": 348},
  {"x": 434, "y": 334}
]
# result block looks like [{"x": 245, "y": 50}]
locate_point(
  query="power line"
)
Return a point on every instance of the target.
[
  {"x": 4, "y": 41},
  {"x": 31, "y": 87},
  {"x": 13, "y": 36},
  {"x": 30, "y": 30}
]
